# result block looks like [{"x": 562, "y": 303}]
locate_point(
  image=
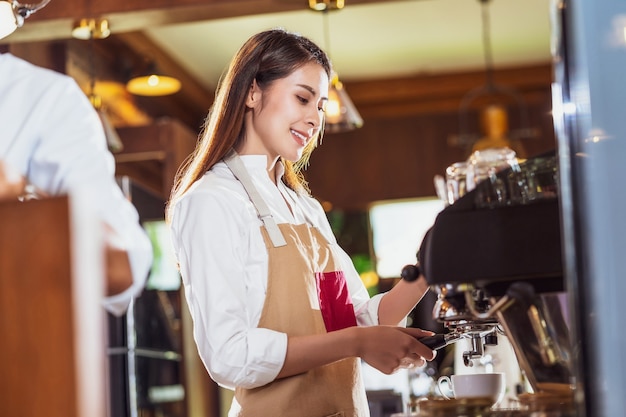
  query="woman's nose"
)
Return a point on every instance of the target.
[{"x": 314, "y": 118}]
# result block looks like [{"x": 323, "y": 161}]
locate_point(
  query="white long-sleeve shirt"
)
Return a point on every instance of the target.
[
  {"x": 51, "y": 134},
  {"x": 224, "y": 265}
]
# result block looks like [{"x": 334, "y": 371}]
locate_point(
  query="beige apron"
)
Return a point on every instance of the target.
[{"x": 306, "y": 294}]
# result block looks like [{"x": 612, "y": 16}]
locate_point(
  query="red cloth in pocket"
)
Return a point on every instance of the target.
[{"x": 335, "y": 302}]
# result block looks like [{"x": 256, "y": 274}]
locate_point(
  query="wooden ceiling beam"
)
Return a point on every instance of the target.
[{"x": 55, "y": 21}]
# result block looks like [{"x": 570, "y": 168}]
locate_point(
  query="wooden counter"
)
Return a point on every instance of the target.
[{"x": 51, "y": 351}]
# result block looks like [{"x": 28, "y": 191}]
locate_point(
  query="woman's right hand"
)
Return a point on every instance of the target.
[
  {"x": 389, "y": 348},
  {"x": 386, "y": 348}
]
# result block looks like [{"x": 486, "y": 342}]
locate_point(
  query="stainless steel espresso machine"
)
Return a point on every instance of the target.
[
  {"x": 589, "y": 98},
  {"x": 496, "y": 268}
]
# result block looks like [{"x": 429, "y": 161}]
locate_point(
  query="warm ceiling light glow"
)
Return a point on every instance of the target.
[
  {"x": 153, "y": 85},
  {"x": 91, "y": 29},
  {"x": 333, "y": 108},
  {"x": 153, "y": 80},
  {"x": 320, "y": 5},
  {"x": 340, "y": 113}
]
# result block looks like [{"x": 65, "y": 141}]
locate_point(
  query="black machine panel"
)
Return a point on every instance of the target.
[{"x": 492, "y": 246}]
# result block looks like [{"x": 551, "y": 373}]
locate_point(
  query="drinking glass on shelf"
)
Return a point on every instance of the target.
[
  {"x": 456, "y": 185},
  {"x": 541, "y": 178},
  {"x": 484, "y": 165}
]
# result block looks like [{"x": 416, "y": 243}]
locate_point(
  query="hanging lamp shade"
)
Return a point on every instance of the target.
[
  {"x": 341, "y": 114},
  {"x": 152, "y": 82},
  {"x": 492, "y": 101}
]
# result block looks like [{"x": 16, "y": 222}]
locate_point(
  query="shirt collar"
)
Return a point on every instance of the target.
[{"x": 256, "y": 163}]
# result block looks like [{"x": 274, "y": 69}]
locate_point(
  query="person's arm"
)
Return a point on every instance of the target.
[
  {"x": 400, "y": 300},
  {"x": 118, "y": 271},
  {"x": 71, "y": 156},
  {"x": 385, "y": 348},
  {"x": 390, "y": 308},
  {"x": 223, "y": 265}
]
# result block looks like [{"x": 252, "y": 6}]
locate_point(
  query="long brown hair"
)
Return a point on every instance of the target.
[{"x": 265, "y": 57}]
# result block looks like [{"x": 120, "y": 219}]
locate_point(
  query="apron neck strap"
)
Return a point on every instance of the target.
[{"x": 238, "y": 169}]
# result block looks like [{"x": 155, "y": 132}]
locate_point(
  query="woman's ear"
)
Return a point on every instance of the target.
[{"x": 254, "y": 95}]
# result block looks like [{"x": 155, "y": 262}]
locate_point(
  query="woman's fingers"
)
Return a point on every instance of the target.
[
  {"x": 412, "y": 361},
  {"x": 388, "y": 348},
  {"x": 420, "y": 348}
]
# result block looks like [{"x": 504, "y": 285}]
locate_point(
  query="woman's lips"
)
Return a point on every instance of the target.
[{"x": 300, "y": 137}]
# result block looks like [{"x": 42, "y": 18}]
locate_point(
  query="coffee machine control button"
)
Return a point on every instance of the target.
[{"x": 410, "y": 273}]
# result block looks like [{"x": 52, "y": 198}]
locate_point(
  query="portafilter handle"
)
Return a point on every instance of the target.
[{"x": 439, "y": 341}]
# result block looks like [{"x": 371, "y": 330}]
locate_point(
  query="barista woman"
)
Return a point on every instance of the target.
[{"x": 280, "y": 314}]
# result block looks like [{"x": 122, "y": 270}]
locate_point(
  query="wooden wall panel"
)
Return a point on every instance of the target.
[
  {"x": 152, "y": 154},
  {"x": 396, "y": 154}
]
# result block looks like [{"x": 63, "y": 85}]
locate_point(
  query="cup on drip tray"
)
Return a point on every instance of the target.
[{"x": 489, "y": 386}]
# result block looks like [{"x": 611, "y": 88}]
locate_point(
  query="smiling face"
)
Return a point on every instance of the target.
[{"x": 282, "y": 118}]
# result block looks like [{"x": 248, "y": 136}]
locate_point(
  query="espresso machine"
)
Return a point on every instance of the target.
[
  {"x": 496, "y": 268},
  {"x": 589, "y": 97}
]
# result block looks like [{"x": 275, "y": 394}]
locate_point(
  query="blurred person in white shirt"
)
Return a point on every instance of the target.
[{"x": 52, "y": 143}]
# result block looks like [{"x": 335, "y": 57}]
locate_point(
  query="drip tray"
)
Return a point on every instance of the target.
[{"x": 531, "y": 405}]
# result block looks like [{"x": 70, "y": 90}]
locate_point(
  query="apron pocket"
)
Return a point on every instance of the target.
[{"x": 335, "y": 302}]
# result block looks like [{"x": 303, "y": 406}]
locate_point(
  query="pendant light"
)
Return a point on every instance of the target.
[
  {"x": 494, "y": 115},
  {"x": 341, "y": 115},
  {"x": 13, "y": 14},
  {"x": 151, "y": 82},
  {"x": 91, "y": 29},
  {"x": 321, "y": 5}
]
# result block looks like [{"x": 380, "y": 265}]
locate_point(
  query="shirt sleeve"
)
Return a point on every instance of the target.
[
  {"x": 221, "y": 262},
  {"x": 72, "y": 156}
]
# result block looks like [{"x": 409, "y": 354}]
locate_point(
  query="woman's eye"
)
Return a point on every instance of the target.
[{"x": 302, "y": 100}]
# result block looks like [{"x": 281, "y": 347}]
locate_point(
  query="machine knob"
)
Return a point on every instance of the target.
[
  {"x": 491, "y": 339},
  {"x": 410, "y": 273}
]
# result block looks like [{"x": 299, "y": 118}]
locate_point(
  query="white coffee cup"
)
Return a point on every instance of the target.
[{"x": 473, "y": 386}]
